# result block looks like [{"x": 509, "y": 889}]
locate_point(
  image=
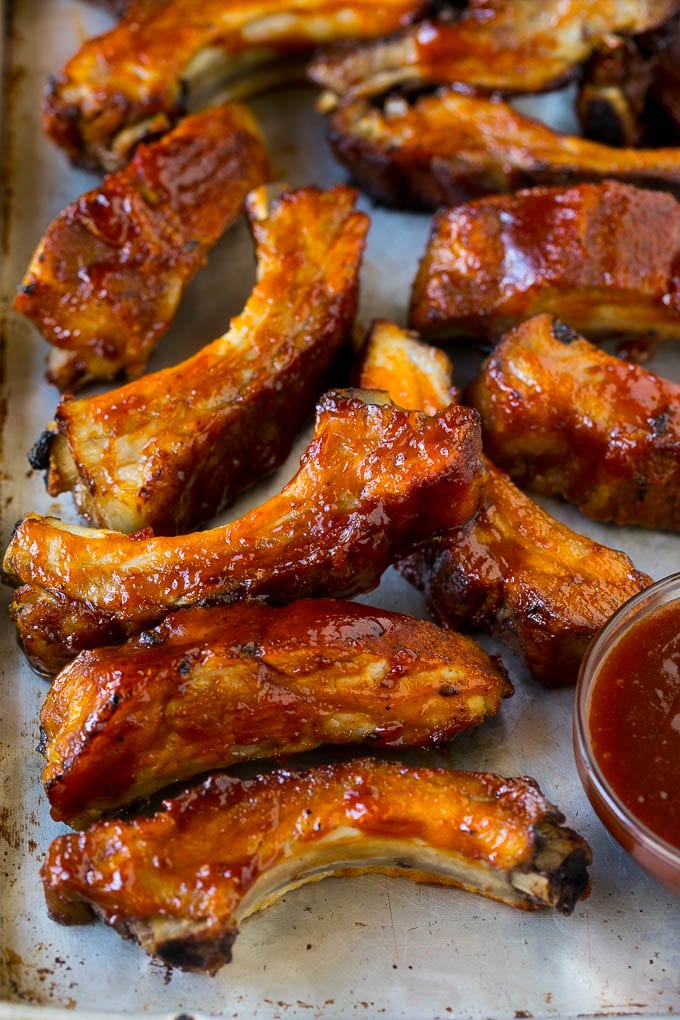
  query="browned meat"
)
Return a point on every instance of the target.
[
  {"x": 449, "y": 147},
  {"x": 163, "y": 58},
  {"x": 565, "y": 418},
  {"x": 373, "y": 480},
  {"x": 603, "y": 257},
  {"x": 171, "y": 449},
  {"x": 512, "y": 568},
  {"x": 494, "y": 45},
  {"x": 260, "y": 838},
  {"x": 105, "y": 281},
  {"x": 211, "y": 687}
]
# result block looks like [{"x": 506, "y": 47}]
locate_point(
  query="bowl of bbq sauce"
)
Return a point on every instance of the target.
[{"x": 627, "y": 728}]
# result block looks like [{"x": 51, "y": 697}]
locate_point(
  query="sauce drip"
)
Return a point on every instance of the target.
[{"x": 635, "y": 721}]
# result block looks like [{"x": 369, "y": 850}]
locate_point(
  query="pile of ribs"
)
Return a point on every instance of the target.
[{"x": 175, "y": 654}]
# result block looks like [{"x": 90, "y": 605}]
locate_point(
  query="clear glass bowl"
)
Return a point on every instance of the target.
[{"x": 654, "y": 854}]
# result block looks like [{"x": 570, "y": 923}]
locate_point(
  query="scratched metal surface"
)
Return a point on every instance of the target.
[{"x": 341, "y": 948}]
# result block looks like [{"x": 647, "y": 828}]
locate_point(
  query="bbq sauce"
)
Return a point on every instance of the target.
[{"x": 634, "y": 720}]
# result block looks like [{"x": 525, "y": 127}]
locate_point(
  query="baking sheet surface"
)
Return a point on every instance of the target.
[{"x": 362, "y": 947}]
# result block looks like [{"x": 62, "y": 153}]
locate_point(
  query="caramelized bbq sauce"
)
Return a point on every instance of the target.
[{"x": 635, "y": 721}]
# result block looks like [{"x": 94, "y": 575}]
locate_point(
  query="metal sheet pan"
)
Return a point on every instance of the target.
[{"x": 362, "y": 947}]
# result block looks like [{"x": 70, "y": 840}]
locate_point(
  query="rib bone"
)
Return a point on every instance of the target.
[
  {"x": 106, "y": 280},
  {"x": 512, "y": 568},
  {"x": 374, "y": 480},
  {"x": 182, "y": 881},
  {"x": 212, "y": 687},
  {"x": 169, "y": 450},
  {"x": 448, "y": 147}
]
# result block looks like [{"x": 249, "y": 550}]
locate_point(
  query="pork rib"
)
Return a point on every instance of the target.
[
  {"x": 373, "y": 480},
  {"x": 448, "y": 147},
  {"x": 169, "y": 450},
  {"x": 602, "y": 257},
  {"x": 512, "y": 568},
  {"x": 106, "y": 280},
  {"x": 182, "y": 881},
  {"x": 211, "y": 687},
  {"x": 565, "y": 418},
  {"x": 162, "y": 59},
  {"x": 492, "y": 46}
]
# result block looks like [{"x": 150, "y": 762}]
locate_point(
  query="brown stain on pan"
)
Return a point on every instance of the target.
[{"x": 11, "y": 80}]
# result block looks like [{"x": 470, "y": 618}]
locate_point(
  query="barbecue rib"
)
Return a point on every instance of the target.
[
  {"x": 604, "y": 257},
  {"x": 493, "y": 46},
  {"x": 449, "y": 147},
  {"x": 105, "y": 282},
  {"x": 183, "y": 880},
  {"x": 161, "y": 60},
  {"x": 512, "y": 569},
  {"x": 565, "y": 418},
  {"x": 374, "y": 480},
  {"x": 211, "y": 687},
  {"x": 169, "y": 450}
]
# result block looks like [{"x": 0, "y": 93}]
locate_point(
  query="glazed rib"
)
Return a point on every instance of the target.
[
  {"x": 373, "y": 480},
  {"x": 565, "y": 418},
  {"x": 144, "y": 74},
  {"x": 512, "y": 569},
  {"x": 169, "y": 450},
  {"x": 105, "y": 282},
  {"x": 212, "y": 687},
  {"x": 494, "y": 46},
  {"x": 260, "y": 838},
  {"x": 603, "y": 257},
  {"x": 448, "y": 147}
]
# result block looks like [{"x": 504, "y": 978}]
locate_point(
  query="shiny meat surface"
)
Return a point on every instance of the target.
[
  {"x": 211, "y": 687},
  {"x": 449, "y": 147},
  {"x": 512, "y": 569},
  {"x": 105, "y": 281},
  {"x": 603, "y": 257},
  {"x": 565, "y": 418},
  {"x": 374, "y": 480},
  {"x": 169, "y": 450},
  {"x": 494, "y": 45},
  {"x": 182, "y": 880},
  {"x": 139, "y": 78}
]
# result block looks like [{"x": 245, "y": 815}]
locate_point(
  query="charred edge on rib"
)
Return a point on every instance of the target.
[
  {"x": 195, "y": 955},
  {"x": 39, "y": 454},
  {"x": 565, "y": 334},
  {"x": 570, "y": 881},
  {"x": 41, "y": 746}
]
